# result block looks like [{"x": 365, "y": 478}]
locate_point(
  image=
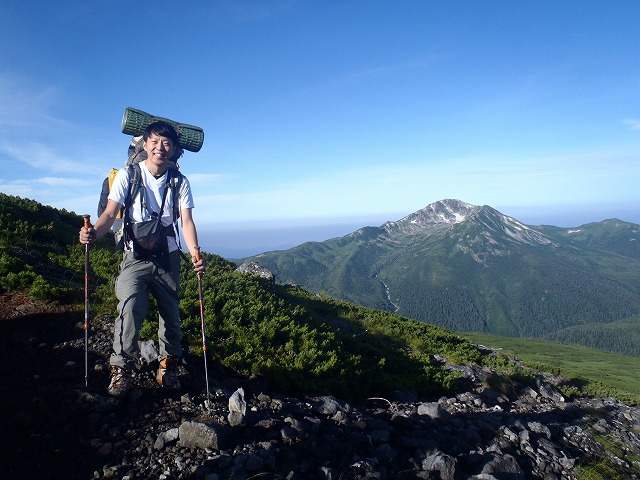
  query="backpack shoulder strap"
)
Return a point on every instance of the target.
[
  {"x": 135, "y": 183},
  {"x": 175, "y": 178}
]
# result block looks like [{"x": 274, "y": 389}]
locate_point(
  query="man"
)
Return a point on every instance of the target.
[{"x": 157, "y": 273}]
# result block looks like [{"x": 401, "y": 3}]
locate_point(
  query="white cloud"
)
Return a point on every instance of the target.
[
  {"x": 59, "y": 181},
  {"x": 48, "y": 181},
  {"x": 204, "y": 179},
  {"x": 25, "y": 105},
  {"x": 80, "y": 204},
  {"x": 632, "y": 123},
  {"x": 41, "y": 157},
  {"x": 17, "y": 189}
]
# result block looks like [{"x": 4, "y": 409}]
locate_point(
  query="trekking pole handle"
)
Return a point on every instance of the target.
[
  {"x": 197, "y": 249},
  {"x": 87, "y": 224}
]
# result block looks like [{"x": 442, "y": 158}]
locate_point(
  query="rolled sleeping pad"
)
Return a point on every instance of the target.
[{"x": 134, "y": 122}]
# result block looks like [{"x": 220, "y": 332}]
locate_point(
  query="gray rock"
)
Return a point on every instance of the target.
[
  {"x": 255, "y": 269},
  {"x": 432, "y": 410},
  {"x": 148, "y": 351},
  {"x": 439, "y": 462},
  {"x": 201, "y": 435},
  {"x": 237, "y": 402},
  {"x": 330, "y": 406},
  {"x": 503, "y": 466},
  {"x": 166, "y": 437}
]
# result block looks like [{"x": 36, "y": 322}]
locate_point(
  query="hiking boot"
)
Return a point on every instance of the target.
[
  {"x": 168, "y": 374},
  {"x": 120, "y": 381}
]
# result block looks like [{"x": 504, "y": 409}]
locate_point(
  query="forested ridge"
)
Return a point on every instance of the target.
[
  {"x": 620, "y": 337},
  {"x": 487, "y": 273}
]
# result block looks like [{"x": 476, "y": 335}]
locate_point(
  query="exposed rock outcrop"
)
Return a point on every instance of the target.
[{"x": 254, "y": 268}]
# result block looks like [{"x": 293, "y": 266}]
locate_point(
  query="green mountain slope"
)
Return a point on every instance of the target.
[
  {"x": 35, "y": 250},
  {"x": 470, "y": 268},
  {"x": 601, "y": 367},
  {"x": 621, "y": 337},
  {"x": 611, "y": 235}
]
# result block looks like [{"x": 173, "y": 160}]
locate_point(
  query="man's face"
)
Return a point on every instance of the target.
[{"x": 159, "y": 149}]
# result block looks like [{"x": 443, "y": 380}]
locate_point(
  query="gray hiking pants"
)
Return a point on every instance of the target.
[{"x": 137, "y": 279}]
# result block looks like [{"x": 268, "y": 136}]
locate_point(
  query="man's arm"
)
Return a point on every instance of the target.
[{"x": 191, "y": 237}]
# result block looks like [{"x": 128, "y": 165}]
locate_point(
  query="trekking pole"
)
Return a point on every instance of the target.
[
  {"x": 204, "y": 340},
  {"x": 87, "y": 225}
]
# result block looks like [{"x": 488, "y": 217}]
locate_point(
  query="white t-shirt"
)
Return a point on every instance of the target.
[{"x": 149, "y": 198}]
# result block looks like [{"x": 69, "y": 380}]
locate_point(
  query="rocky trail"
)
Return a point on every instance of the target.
[{"x": 53, "y": 427}]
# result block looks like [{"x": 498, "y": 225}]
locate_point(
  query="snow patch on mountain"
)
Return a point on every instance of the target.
[
  {"x": 443, "y": 212},
  {"x": 522, "y": 233}
]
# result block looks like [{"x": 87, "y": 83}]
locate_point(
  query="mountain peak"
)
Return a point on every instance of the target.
[
  {"x": 445, "y": 214},
  {"x": 448, "y": 212},
  {"x": 443, "y": 211}
]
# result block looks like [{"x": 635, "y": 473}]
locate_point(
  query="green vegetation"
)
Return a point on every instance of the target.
[
  {"x": 299, "y": 340},
  {"x": 305, "y": 343},
  {"x": 620, "y": 337},
  {"x": 612, "y": 235},
  {"x": 39, "y": 252},
  {"x": 604, "y": 374}
]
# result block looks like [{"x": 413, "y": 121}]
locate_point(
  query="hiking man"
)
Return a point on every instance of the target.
[{"x": 155, "y": 270}]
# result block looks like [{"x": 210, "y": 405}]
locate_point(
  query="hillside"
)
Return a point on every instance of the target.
[
  {"x": 611, "y": 235},
  {"x": 621, "y": 337},
  {"x": 471, "y": 268},
  {"x": 330, "y": 389},
  {"x": 259, "y": 330}
]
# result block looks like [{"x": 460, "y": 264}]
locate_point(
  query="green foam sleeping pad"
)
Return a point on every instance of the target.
[{"x": 135, "y": 121}]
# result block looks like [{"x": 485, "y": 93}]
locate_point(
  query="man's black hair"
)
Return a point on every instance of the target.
[{"x": 162, "y": 129}]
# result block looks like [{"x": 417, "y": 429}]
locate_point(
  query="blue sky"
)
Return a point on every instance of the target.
[{"x": 321, "y": 117}]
